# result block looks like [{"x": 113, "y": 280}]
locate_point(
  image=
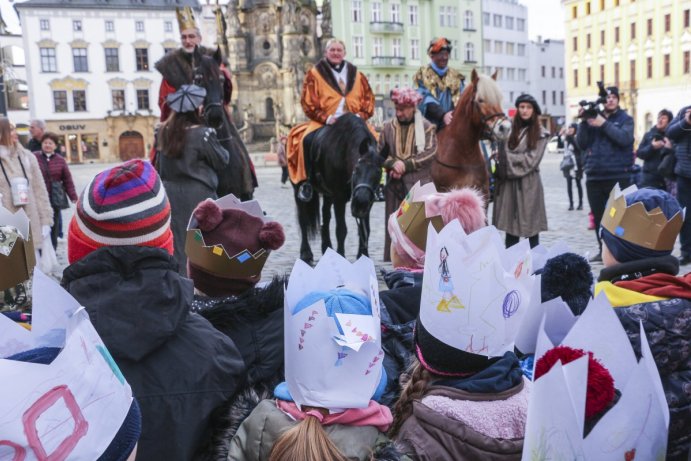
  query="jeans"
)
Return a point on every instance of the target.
[
  {"x": 684, "y": 197},
  {"x": 598, "y": 194},
  {"x": 569, "y": 190},
  {"x": 511, "y": 240}
]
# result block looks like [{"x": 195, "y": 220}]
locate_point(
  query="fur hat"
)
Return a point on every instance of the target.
[
  {"x": 124, "y": 205},
  {"x": 236, "y": 231},
  {"x": 569, "y": 276}
]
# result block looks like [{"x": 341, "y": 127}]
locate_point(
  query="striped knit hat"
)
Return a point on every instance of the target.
[{"x": 126, "y": 205}]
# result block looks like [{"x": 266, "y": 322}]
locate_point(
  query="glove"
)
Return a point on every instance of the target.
[{"x": 45, "y": 231}]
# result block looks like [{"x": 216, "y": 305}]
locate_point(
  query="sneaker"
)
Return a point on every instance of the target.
[
  {"x": 305, "y": 192},
  {"x": 570, "y": 207},
  {"x": 580, "y": 207}
]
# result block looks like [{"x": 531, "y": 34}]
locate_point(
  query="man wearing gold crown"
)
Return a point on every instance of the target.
[
  {"x": 331, "y": 88},
  {"x": 408, "y": 142},
  {"x": 176, "y": 66},
  {"x": 439, "y": 85}
]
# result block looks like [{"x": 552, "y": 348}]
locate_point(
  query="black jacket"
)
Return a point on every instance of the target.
[
  {"x": 179, "y": 366},
  {"x": 609, "y": 148},
  {"x": 680, "y": 132},
  {"x": 651, "y": 159}
]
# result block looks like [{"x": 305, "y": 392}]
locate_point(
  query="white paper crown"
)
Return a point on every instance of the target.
[
  {"x": 71, "y": 408},
  {"x": 474, "y": 291},
  {"x": 634, "y": 428},
  {"x": 324, "y": 367}
]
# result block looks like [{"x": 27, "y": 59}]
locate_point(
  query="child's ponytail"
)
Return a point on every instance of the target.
[{"x": 307, "y": 441}]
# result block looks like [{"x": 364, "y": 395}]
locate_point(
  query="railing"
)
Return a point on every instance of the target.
[
  {"x": 382, "y": 27},
  {"x": 388, "y": 61}
]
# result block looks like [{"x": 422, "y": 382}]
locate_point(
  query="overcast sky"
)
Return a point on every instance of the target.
[{"x": 545, "y": 18}]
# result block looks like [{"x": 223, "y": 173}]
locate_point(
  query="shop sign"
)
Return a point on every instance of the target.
[{"x": 71, "y": 127}]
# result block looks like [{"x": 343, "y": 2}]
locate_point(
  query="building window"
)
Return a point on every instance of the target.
[
  {"x": 142, "y": 57},
  {"x": 575, "y": 44},
  {"x": 616, "y": 34},
  {"x": 358, "y": 46},
  {"x": 48, "y": 61},
  {"x": 454, "y": 45},
  {"x": 415, "y": 49},
  {"x": 376, "y": 12},
  {"x": 668, "y": 22},
  {"x": 554, "y": 72},
  {"x": 544, "y": 98},
  {"x": 510, "y": 95},
  {"x": 649, "y": 67},
  {"x": 442, "y": 16},
  {"x": 602, "y": 38},
  {"x": 499, "y": 71},
  {"x": 616, "y": 74},
  {"x": 561, "y": 72},
  {"x": 77, "y": 25},
  {"x": 168, "y": 26},
  {"x": 509, "y": 22},
  {"x": 687, "y": 62},
  {"x": 587, "y": 41},
  {"x": 574, "y": 12},
  {"x": 60, "y": 101},
  {"x": 81, "y": 63},
  {"x": 497, "y": 20},
  {"x": 469, "y": 52},
  {"x": 687, "y": 19},
  {"x": 118, "y": 97},
  {"x": 587, "y": 8},
  {"x": 498, "y": 46},
  {"x": 509, "y": 48},
  {"x": 468, "y": 20},
  {"x": 561, "y": 98},
  {"x": 487, "y": 45},
  {"x": 650, "y": 27},
  {"x": 412, "y": 13},
  {"x": 110, "y": 26},
  {"x": 543, "y": 72},
  {"x": 520, "y": 24},
  {"x": 396, "y": 48},
  {"x": 666, "y": 63},
  {"x": 588, "y": 76},
  {"x": 510, "y": 74},
  {"x": 139, "y": 26},
  {"x": 452, "y": 20},
  {"x": 521, "y": 49},
  {"x": 632, "y": 70},
  {"x": 554, "y": 98},
  {"x": 44, "y": 24},
  {"x": 378, "y": 46},
  {"x": 602, "y": 72},
  {"x": 485, "y": 19},
  {"x": 633, "y": 31},
  {"x": 112, "y": 60},
  {"x": 521, "y": 76},
  {"x": 356, "y": 9},
  {"x": 387, "y": 84},
  {"x": 79, "y": 100},
  {"x": 575, "y": 78},
  {"x": 143, "y": 99},
  {"x": 395, "y": 12}
]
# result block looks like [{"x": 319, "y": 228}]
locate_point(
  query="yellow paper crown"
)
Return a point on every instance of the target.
[
  {"x": 185, "y": 18},
  {"x": 648, "y": 229}
]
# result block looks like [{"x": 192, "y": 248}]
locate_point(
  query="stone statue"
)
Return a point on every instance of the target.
[
  {"x": 289, "y": 15},
  {"x": 327, "y": 30}
]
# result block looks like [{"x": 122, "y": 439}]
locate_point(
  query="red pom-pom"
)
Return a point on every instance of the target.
[
  {"x": 208, "y": 215},
  {"x": 600, "y": 388},
  {"x": 271, "y": 235}
]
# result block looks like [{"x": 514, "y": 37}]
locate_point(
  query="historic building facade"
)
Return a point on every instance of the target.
[
  {"x": 271, "y": 44},
  {"x": 644, "y": 47},
  {"x": 14, "y": 96},
  {"x": 90, "y": 71}
]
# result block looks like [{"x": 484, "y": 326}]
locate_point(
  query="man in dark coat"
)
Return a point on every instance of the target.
[
  {"x": 607, "y": 141},
  {"x": 653, "y": 148},
  {"x": 679, "y": 131}
]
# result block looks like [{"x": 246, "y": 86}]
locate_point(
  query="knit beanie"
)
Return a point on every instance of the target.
[
  {"x": 625, "y": 251},
  {"x": 241, "y": 235},
  {"x": 568, "y": 276},
  {"x": 125, "y": 205},
  {"x": 127, "y": 436}
]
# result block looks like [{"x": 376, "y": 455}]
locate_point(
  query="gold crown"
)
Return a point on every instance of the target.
[
  {"x": 649, "y": 229},
  {"x": 185, "y": 18}
]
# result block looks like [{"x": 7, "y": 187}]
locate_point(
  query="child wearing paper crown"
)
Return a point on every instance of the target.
[
  {"x": 639, "y": 229},
  {"x": 180, "y": 367},
  {"x": 306, "y": 421}
]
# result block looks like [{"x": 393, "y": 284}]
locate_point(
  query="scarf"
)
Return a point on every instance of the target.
[
  {"x": 500, "y": 376},
  {"x": 404, "y": 147},
  {"x": 662, "y": 285},
  {"x": 441, "y": 72},
  {"x": 375, "y": 414}
]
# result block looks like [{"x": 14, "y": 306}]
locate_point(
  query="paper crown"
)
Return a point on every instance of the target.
[
  {"x": 474, "y": 291},
  {"x": 71, "y": 408},
  {"x": 17, "y": 257},
  {"x": 648, "y": 229},
  {"x": 332, "y": 362},
  {"x": 185, "y": 17},
  {"x": 409, "y": 223},
  {"x": 636, "y": 426},
  {"x": 214, "y": 258}
]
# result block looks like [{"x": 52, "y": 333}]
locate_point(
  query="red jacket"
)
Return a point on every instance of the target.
[{"x": 56, "y": 169}]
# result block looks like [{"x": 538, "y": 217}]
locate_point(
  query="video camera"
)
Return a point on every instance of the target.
[{"x": 592, "y": 109}]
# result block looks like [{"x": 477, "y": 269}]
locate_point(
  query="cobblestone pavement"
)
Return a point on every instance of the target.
[{"x": 277, "y": 201}]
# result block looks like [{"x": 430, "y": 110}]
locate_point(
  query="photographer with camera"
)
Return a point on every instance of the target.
[
  {"x": 653, "y": 148},
  {"x": 679, "y": 131},
  {"x": 605, "y": 135}
]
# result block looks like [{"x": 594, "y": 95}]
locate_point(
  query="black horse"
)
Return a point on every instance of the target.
[
  {"x": 238, "y": 178},
  {"x": 345, "y": 166}
]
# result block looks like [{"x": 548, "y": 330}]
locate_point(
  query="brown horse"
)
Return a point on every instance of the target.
[{"x": 478, "y": 115}]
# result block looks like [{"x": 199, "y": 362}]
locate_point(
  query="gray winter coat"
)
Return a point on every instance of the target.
[{"x": 519, "y": 203}]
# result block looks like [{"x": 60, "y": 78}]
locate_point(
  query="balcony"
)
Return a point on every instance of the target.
[
  {"x": 386, "y": 27},
  {"x": 388, "y": 61}
]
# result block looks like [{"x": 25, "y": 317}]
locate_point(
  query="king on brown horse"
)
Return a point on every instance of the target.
[{"x": 478, "y": 115}]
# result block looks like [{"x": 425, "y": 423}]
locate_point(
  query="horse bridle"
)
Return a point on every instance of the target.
[{"x": 364, "y": 185}]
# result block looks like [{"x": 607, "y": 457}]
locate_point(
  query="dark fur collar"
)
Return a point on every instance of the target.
[
  {"x": 176, "y": 66},
  {"x": 324, "y": 70}
]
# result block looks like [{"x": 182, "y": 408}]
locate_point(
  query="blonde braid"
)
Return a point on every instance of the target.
[{"x": 417, "y": 383}]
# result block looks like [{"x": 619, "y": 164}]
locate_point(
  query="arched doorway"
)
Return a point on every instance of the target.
[
  {"x": 269, "y": 108},
  {"x": 131, "y": 145}
]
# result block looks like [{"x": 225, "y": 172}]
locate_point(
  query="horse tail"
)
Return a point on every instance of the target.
[{"x": 308, "y": 214}]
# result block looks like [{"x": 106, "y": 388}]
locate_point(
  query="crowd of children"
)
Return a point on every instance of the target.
[{"x": 475, "y": 352}]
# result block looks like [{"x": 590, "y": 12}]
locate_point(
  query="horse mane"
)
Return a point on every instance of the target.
[
  {"x": 349, "y": 129},
  {"x": 485, "y": 88}
]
